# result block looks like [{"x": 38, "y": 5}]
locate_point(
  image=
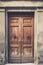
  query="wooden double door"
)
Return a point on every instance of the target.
[{"x": 21, "y": 38}]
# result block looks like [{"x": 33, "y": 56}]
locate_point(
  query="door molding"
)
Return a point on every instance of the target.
[{"x": 35, "y": 29}]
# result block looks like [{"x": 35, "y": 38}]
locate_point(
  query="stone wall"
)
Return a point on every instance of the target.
[
  {"x": 21, "y": 3},
  {"x": 40, "y": 37},
  {"x": 2, "y": 37}
]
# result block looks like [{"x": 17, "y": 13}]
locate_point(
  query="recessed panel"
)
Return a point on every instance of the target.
[
  {"x": 14, "y": 32},
  {"x": 14, "y": 52},
  {"x": 27, "y": 35},
  {"x": 27, "y": 52},
  {"x": 13, "y": 20},
  {"x": 27, "y": 20}
]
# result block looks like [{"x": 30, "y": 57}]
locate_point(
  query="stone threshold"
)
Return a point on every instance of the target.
[{"x": 22, "y": 64}]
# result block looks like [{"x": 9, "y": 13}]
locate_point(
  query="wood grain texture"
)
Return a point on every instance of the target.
[{"x": 21, "y": 38}]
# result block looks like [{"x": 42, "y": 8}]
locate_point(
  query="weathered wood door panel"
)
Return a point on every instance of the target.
[{"x": 21, "y": 36}]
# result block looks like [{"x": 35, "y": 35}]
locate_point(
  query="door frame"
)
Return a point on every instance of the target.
[{"x": 35, "y": 29}]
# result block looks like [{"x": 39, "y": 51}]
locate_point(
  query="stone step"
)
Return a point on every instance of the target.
[{"x": 22, "y": 64}]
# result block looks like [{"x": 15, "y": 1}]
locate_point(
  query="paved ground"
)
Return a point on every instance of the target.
[
  {"x": 24, "y": 64},
  {"x": 40, "y": 64}
]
